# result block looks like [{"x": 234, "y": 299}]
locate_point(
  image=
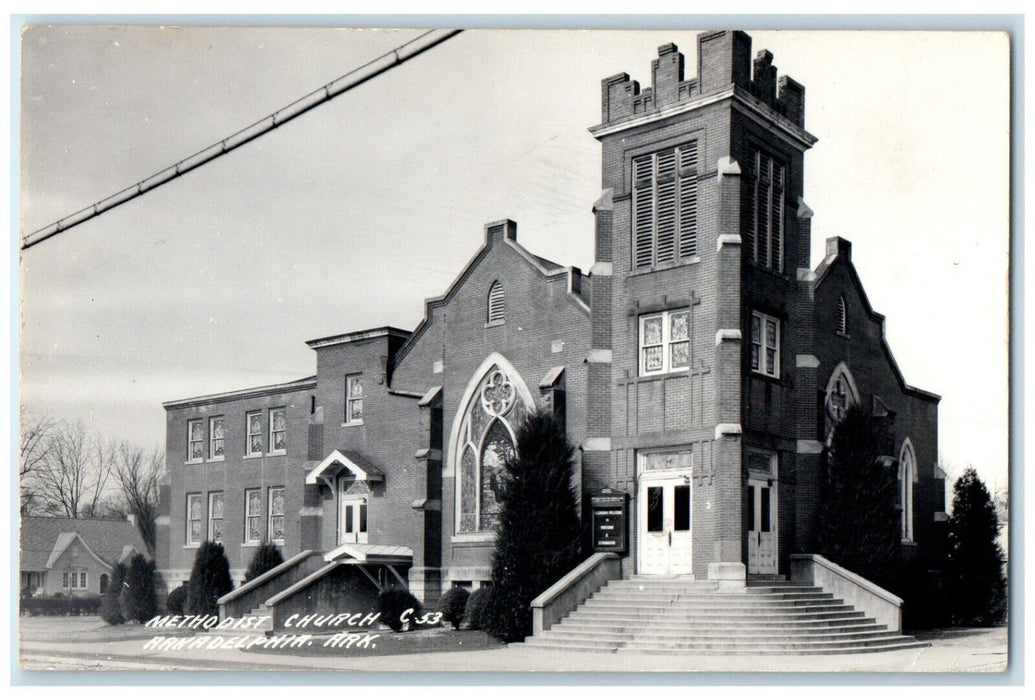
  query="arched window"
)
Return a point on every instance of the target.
[
  {"x": 496, "y": 309},
  {"x": 104, "y": 584},
  {"x": 906, "y": 478},
  {"x": 842, "y": 316},
  {"x": 841, "y": 393},
  {"x": 485, "y": 441}
]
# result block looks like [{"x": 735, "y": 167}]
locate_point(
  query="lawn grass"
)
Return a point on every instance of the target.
[{"x": 87, "y": 628}]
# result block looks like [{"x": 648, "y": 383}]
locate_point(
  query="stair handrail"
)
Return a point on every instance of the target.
[
  {"x": 883, "y": 606},
  {"x": 572, "y": 589},
  {"x": 264, "y": 577}
]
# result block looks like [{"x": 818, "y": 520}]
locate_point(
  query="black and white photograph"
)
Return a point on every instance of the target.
[{"x": 341, "y": 349}]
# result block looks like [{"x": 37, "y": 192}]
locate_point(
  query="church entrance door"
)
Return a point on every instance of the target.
[
  {"x": 761, "y": 526},
  {"x": 664, "y": 526}
]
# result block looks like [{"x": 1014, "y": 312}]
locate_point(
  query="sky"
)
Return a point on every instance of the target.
[{"x": 350, "y": 216}]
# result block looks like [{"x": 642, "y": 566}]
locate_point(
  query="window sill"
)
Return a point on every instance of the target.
[
  {"x": 276, "y": 453},
  {"x": 843, "y": 335},
  {"x": 192, "y": 546},
  {"x": 493, "y": 324},
  {"x": 654, "y": 376},
  {"x": 666, "y": 266},
  {"x": 216, "y": 459},
  {"x": 194, "y": 461},
  {"x": 253, "y": 455},
  {"x": 474, "y": 537},
  {"x": 352, "y": 424},
  {"x": 248, "y": 545}
]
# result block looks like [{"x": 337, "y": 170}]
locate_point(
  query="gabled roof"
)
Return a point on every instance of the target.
[
  {"x": 839, "y": 252},
  {"x": 43, "y": 539},
  {"x": 66, "y": 540},
  {"x": 362, "y": 468},
  {"x": 546, "y": 268}
]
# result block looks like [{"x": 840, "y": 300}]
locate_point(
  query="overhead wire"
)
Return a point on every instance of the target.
[{"x": 346, "y": 82}]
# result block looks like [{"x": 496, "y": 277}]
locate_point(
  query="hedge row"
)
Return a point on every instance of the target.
[{"x": 60, "y": 606}]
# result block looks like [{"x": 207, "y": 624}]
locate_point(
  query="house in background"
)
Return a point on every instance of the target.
[{"x": 73, "y": 556}]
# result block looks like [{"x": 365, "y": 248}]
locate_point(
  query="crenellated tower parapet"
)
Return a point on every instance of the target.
[{"x": 723, "y": 63}]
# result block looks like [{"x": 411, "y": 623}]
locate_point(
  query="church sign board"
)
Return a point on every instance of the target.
[{"x": 610, "y": 520}]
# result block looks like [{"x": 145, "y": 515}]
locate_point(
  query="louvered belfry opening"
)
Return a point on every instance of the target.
[
  {"x": 842, "y": 316},
  {"x": 496, "y": 304},
  {"x": 665, "y": 206},
  {"x": 763, "y": 214}
]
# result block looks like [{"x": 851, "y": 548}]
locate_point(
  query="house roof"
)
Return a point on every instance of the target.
[{"x": 43, "y": 538}]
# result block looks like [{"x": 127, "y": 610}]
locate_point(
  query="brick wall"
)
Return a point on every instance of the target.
[
  {"x": 234, "y": 473},
  {"x": 545, "y": 327}
]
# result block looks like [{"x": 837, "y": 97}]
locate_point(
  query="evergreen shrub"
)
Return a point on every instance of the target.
[
  {"x": 111, "y": 605},
  {"x": 176, "y": 601},
  {"x": 539, "y": 535},
  {"x": 266, "y": 557},
  {"x": 392, "y": 603},
  {"x": 477, "y": 607},
  {"x": 976, "y": 581},
  {"x": 209, "y": 580},
  {"x": 858, "y": 519},
  {"x": 137, "y": 596},
  {"x": 453, "y": 605}
]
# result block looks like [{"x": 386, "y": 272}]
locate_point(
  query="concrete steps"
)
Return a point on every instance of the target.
[{"x": 684, "y": 616}]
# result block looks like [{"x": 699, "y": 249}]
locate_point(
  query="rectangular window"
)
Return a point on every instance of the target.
[
  {"x": 278, "y": 429},
  {"x": 276, "y": 515},
  {"x": 195, "y": 440},
  {"x": 682, "y": 508},
  {"x": 763, "y": 214},
  {"x": 354, "y": 398},
  {"x": 195, "y": 518},
  {"x": 655, "y": 509},
  {"x": 765, "y": 345},
  {"x": 665, "y": 206},
  {"x": 665, "y": 342},
  {"x": 253, "y": 426},
  {"x": 74, "y": 580},
  {"x": 252, "y": 516},
  {"x": 215, "y": 516},
  {"x": 215, "y": 438}
]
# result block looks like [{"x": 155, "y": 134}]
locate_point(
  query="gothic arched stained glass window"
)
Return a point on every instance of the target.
[{"x": 486, "y": 440}]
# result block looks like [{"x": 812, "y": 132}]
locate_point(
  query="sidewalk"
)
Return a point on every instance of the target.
[{"x": 972, "y": 651}]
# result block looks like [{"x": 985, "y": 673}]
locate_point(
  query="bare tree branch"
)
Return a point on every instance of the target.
[
  {"x": 138, "y": 476},
  {"x": 37, "y": 434}
]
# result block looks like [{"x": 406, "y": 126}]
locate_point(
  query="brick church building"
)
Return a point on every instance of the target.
[{"x": 699, "y": 367}]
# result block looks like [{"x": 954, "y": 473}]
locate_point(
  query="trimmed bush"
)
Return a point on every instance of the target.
[
  {"x": 266, "y": 557},
  {"x": 453, "y": 605},
  {"x": 60, "y": 606},
  {"x": 176, "y": 601},
  {"x": 138, "y": 599},
  {"x": 538, "y": 539},
  {"x": 477, "y": 606},
  {"x": 111, "y": 605},
  {"x": 392, "y": 603},
  {"x": 209, "y": 580}
]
